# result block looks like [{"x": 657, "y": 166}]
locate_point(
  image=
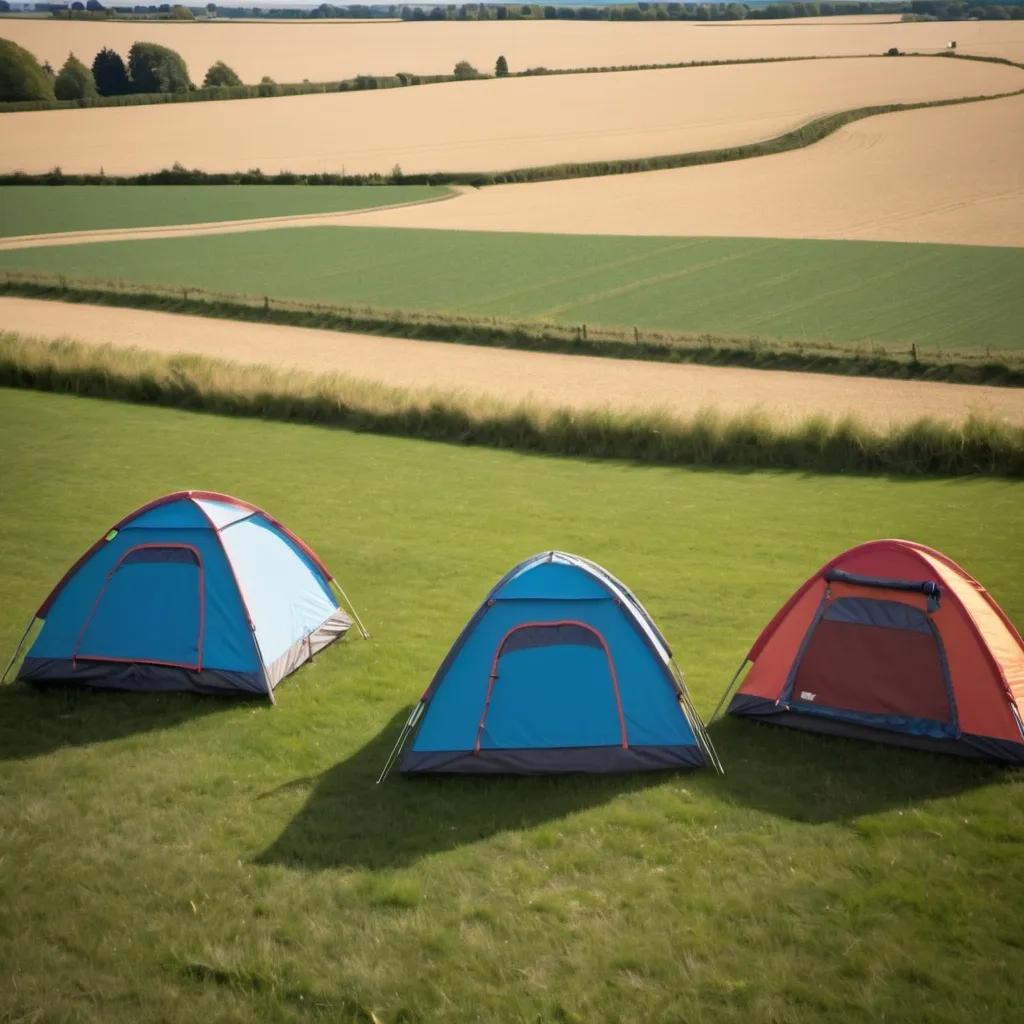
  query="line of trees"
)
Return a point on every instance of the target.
[
  {"x": 942, "y": 10},
  {"x": 150, "y": 69}
]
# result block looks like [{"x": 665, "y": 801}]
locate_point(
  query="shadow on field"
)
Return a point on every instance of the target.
[
  {"x": 813, "y": 778},
  {"x": 349, "y": 821},
  {"x": 37, "y": 721}
]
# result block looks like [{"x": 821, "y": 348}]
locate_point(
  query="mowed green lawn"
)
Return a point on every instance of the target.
[
  {"x": 937, "y": 295},
  {"x": 40, "y": 209},
  {"x": 184, "y": 859}
]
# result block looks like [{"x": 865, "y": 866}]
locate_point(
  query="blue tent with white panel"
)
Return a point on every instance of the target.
[
  {"x": 560, "y": 670},
  {"x": 194, "y": 591}
]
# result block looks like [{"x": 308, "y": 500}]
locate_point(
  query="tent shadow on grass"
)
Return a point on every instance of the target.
[
  {"x": 37, "y": 721},
  {"x": 814, "y": 778},
  {"x": 349, "y": 821}
]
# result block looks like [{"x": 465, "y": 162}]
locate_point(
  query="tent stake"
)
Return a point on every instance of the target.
[
  {"x": 396, "y": 750},
  {"x": 17, "y": 650},
  {"x": 728, "y": 690}
]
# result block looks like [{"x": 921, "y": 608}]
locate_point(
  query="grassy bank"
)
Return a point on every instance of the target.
[
  {"x": 183, "y": 859},
  {"x": 1002, "y": 368},
  {"x": 880, "y": 297},
  {"x": 39, "y": 209},
  {"x": 752, "y": 440}
]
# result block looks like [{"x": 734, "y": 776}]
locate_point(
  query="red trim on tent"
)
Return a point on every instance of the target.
[
  {"x": 226, "y": 499},
  {"x": 198, "y": 666},
  {"x": 559, "y": 622}
]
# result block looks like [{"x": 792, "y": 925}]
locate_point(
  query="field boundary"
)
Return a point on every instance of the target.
[
  {"x": 751, "y": 440},
  {"x": 1001, "y": 368}
]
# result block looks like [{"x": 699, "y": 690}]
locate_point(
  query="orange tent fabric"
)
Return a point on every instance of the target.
[{"x": 892, "y": 641}]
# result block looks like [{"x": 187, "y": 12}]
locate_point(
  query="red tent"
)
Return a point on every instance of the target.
[{"x": 892, "y": 641}]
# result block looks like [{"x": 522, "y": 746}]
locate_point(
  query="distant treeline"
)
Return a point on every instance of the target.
[{"x": 942, "y": 10}]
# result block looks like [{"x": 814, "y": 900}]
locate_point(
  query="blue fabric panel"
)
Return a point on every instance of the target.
[
  {"x": 866, "y": 611},
  {"x": 227, "y": 639},
  {"x": 652, "y": 713},
  {"x": 287, "y": 597},
  {"x": 221, "y": 513},
  {"x": 175, "y": 515},
  {"x": 149, "y": 611},
  {"x": 552, "y": 697},
  {"x": 893, "y": 723},
  {"x": 552, "y": 580}
]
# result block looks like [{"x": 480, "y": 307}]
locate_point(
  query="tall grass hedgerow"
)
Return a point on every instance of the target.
[
  {"x": 993, "y": 367},
  {"x": 750, "y": 440}
]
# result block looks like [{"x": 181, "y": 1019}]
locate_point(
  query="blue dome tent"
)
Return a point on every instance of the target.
[
  {"x": 560, "y": 670},
  {"x": 194, "y": 591}
]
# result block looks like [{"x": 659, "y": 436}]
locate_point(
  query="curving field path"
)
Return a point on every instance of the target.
[
  {"x": 486, "y": 125},
  {"x": 328, "y": 52},
  {"x": 512, "y": 376},
  {"x": 946, "y": 174}
]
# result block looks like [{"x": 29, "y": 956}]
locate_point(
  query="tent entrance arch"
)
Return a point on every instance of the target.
[
  {"x": 520, "y": 677},
  {"x": 873, "y": 655},
  {"x": 149, "y": 610}
]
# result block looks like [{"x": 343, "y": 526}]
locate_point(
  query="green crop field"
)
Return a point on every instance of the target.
[
  {"x": 40, "y": 209},
  {"x": 850, "y": 292},
  {"x": 184, "y": 859}
]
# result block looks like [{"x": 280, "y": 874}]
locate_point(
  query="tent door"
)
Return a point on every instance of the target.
[
  {"x": 149, "y": 610},
  {"x": 873, "y": 658},
  {"x": 552, "y": 685}
]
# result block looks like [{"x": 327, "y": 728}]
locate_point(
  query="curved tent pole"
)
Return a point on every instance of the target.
[
  {"x": 728, "y": 691},
  {"x": 410, "y": 724},
  {"x": 17, "y": 650},
  {"x": 352, "y": 609}
]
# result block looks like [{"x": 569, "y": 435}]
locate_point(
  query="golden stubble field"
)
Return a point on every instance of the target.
[
  {"x": 486, "y": 125},
  {"x": 290, "y": 52},
  {"x": 948, "y": 174},
  {"x": 565, "y": 381}
]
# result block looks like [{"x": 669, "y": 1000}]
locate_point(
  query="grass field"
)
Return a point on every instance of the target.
[
  {"x": 39, "y": 209},
  {"x": 180, "y": 859},
  {"x": 850, "y": 292}
]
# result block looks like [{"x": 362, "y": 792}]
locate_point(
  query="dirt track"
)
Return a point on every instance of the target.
[
  {"x": 326, "y": 52},
  {"x": 560, "y": 380},
  {"x": 948, "y": 174},
  {"x": 487, "y": 125}
]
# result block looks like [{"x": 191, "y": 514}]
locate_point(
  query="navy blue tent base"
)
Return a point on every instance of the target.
[
  {"x": 108, "y": 675},
  {"x": 761, "y": 709},
  {"x": 561, "y": 761}
]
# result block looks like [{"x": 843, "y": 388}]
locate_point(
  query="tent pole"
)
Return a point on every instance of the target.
[
  {"x": 352, "y": 609},
  {"x": 728, "y": 690},
  {"x": 17, "y": 650},
  {"x": 396, "y": 750},
  {"x": 693, "y": 717}
]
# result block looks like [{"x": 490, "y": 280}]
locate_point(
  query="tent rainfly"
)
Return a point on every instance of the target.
[
  {"x": 559, "y": 670},
  {"x": 891, "y": 641},
  {"x": 194, "y": 591}
]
